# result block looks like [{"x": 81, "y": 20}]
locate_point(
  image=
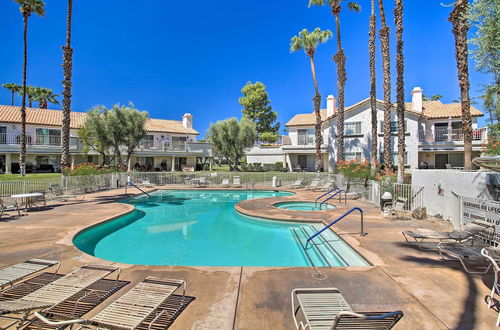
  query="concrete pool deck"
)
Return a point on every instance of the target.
[{"x": 432, "y": 293}]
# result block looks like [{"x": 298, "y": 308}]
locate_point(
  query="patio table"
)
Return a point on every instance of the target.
[{"x": 27, "y": 199}]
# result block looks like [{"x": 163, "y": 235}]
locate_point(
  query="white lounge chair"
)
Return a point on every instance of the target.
[
  {"x": 420, "y": 237},
  {"x": 237, "y": 181},
  {"x": 225, "y": 182},
  {"x": 326, "y": 308},
  {"x": 491, "y": 301},
  {"x": 146, "y": 183},
  {"x": 396, "y": 209},
  {"x": 18, "y": 272},
  {"x": 6, "y": 207},
  {"x": 58, "y": 193},
  {"x": 325, "y": 187},
  {"x": 467, "y": 253},
  {"x": 313, "y": 185},
  {"x": 131, "y": 309},
  {"x": 298, "y": 183},
  {"x": 55, "y": 292}
]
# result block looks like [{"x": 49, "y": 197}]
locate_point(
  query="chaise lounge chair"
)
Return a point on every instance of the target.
[
  {"x": 225, "y": 183},
  {"x": 495, "y": 288},
  {"x": 58, "y": 193},
  {"x": 133, "y": 308},
  {"x": 326, "y": 308},
  {"x": 396, "y": 209},
  {"x": 146, "y": 183},
  {"x": 6, "y": 207},
  {"x": 55, "y": 292},
  {"x": 468, "y": 253},
  {"x": 313, "y": 185},
  {"x": 324, "y": 187},
  {"x": 462, "y": 234},
  {"x": 18, "y": 272},
  {"x": 298, "y": 183},
  {"x": 237, "y": 181}
]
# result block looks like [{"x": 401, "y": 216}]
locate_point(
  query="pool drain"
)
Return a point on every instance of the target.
[{"x": 317, "y": 275}]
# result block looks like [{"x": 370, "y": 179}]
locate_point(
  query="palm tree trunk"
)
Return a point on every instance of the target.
[
  {"x": 12, "y": 98},
  {"x": 400, "y": 88},
  {"x": 386, "y": 62},
  {"x": 317, "y": 127},
  {"x": 22, "y": 153},
  {"x": 67, "y": 67},
  {"x": 460, "y": 29},
  {"x": 373, "y": 86},
  {"x": 339, "y": 58},
  {"x": 43, "y": 104}
]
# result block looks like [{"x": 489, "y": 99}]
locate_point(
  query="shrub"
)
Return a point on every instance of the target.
[
  {"x": 492, "y": 147},
  {"x": 354, "y": 169},
  {"x": 91, "y": 169}
]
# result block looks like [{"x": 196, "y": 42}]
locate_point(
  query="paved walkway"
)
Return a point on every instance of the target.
[{"x": 433, "y": 294}]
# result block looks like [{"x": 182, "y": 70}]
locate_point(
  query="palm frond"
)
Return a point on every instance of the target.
[
  {"x": 316, "y": 3},
  {"x": 354, "y": 6}
]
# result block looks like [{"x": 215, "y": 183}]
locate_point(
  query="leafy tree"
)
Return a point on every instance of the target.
[
  {"x": 434, "y": 97},
  {"x": 340, "y": 59},
  {"x": 491, "y": 103},
  {"x": 67, "y": 84},
  {"x": 386, "y": 64},
  {"x": 131, "y": 122},
  {"x": 256, "y": 106},
  {"x": 309, "y": 41},
  {"x": 13, "y": 88},
  {"x": 269, "y": 137},
  {"x": 400, "y": 87},
  {"x": 230, "y": 138},
  {"x": 94, "y": 133},
  {"x": 27, "y": 7},
  {"x": 460, "y": 29}
]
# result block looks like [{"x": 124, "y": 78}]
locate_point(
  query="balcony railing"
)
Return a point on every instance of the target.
[
  {"x": 443, "y": 134},
  {"x": 37, "y": 139}
]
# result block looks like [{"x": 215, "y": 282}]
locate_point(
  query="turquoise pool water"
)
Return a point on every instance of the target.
[
  {"x": 303, "y": 206},
  {"x": 196, "y": 228}
]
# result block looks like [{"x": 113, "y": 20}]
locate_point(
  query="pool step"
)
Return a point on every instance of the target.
[{"x": 321, "y": 250}]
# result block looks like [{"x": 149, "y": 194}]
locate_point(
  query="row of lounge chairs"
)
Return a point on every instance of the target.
[
  {"x": 55, "y": 303},
  {"x": 314, "y": 185}
]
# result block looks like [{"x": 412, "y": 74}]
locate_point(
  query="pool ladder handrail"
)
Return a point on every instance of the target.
[
  {"x": 335, "y": 194},
  {"x": 134, "y": 185},
  {"x": 328, "y": 192},
  {"x": 337, "y": 220}
]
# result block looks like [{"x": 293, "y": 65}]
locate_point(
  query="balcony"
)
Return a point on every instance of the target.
[
  {"x": 444, "y": 135},
  {"x": 198, "y": 148},
  {"x": 31, "y": 140}
]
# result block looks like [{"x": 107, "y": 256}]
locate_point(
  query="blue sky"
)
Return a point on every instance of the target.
[{"x": 170, "y": 57}]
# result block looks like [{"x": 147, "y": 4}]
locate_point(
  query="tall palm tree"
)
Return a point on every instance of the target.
[
  {"x": 340, "y": 59},
  {"x": 27, "y": 7},
  {"x": 45, "y": 96},
  {"x": 460, "y": 28},
  {"x": 400, "y": 87},
  {"x": 386, "y": 63},
  {"x": 373, "y": 84},
  {"x": 309, "y": 41},
  {"x": 32, "y": 94},
  {"x": 13, "y": 88},
  {"x": 67, "y": 67}
]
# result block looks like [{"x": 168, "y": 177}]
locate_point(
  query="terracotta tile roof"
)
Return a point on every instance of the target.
[
  {"x": 305, "y": 119},
  {"x": 436, "y": 109},
  {"x": 48, "y": 117}
]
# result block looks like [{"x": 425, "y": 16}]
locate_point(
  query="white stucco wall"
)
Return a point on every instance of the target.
[
  {"x": 439, "y": 186},
  {"x": 265, "y": 155}
]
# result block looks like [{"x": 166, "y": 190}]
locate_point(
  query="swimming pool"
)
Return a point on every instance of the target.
[{"x": 201, "y": 228}]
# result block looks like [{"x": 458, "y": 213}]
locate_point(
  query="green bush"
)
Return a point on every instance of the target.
[{"x": 90, "y": 169}]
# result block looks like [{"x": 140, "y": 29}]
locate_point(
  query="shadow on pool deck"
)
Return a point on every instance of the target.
[{"x": 433, "y": 294}]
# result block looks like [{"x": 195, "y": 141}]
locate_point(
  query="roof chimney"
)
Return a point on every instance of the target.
[
  {"x": 416, "y": 99},
  {"x": 330, "y": 106},
  {"x": 187, "y": 121}
]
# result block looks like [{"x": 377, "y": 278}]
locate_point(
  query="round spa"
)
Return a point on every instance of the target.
[{"x": 303, "y": 206}]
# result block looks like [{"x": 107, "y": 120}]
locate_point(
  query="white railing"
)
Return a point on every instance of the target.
[
  {"x": 37, "y": 139},
  {"x": 413, "y": 195},
  {"x": 443, "y": 134}
]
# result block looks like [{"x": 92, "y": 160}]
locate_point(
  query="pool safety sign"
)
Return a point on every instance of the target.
[{"x": 482, "y": 209}]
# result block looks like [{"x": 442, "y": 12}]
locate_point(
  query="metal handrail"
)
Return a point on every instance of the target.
[
  {"x": 328, "y": 192},
  {"x": 337, "y": 220},
  {"x": 340, "y": 197},
  {"x": 134, "y": 185}
]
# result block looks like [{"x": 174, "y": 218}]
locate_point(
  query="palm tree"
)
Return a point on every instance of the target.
[
  {"x": 309, "y": 41},
  {"x": 460, "y": 28},
  {"x": 67, "y": 67},
  {"x": 386, "y": 62},
  {"x": 26, "y": 7},
  {"x": 32, "y": 93},
  {"x": 373, "y": 85},
  {"x": 400, "y": 88},
  {"x": 339, "y": 58},
  {"x": 45, "y": 96},
  {"x": 13, "y": 88}
]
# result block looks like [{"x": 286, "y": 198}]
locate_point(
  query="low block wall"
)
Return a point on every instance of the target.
[{"x": 443, "y": 186}]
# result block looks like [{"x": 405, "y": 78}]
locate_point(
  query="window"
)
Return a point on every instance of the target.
[
  {"x": 353, "y": 128},
  {"x": 394, "y": 126},
  {"x": 394, "y": 158},
  {"x": 3, "y": 134},
  {"x": 147, "y": 141},
  {"x": 306, "y": 136},
  {"x": 147, "y": 161},
  {"x": 352, "y": 156},
  {"x": 46, "y": 136}
]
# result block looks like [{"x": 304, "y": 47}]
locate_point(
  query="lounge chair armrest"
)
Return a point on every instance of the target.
[
  {"x": 370, "y": 317},
  {"x": 49, "y": 322}
]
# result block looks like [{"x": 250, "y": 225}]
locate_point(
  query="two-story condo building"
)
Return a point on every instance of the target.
[
  {"x": 169, "y": 144},
  {"x": 433, "y": 135}
]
